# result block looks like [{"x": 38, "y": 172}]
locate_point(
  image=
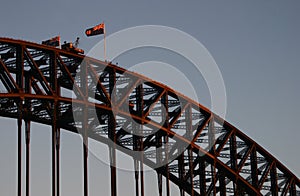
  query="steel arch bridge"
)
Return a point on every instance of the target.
[{"x": 131, "y": 113}]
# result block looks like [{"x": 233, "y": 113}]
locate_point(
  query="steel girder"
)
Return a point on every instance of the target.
[{"x": 179, "y": 138}]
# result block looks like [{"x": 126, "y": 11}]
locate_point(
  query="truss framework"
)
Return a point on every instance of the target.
[{"x": 182, "y": 140}]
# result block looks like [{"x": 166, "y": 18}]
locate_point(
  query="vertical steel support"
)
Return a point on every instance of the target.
[
  {"x": 54, "y": 149},
  {"x": 140, "y": 111},
  {"x": 254, "y": 174},
  {"x": 27, "y": 135},
  {"x": 189, "y": 133},
  {"x": 56, "y": 89},
  {"x": 158, "y": 139},
  {"x": 112, "y": 133},
  {"x": 233, "y": 152},
  {"x": 293, "y": 188},
  {"x": 53, "y": 146},
  {"x": 20, "y": 148},
  {"x": 55, "y": 127},
  {"x": 85, "y": 160},
  {"x": 222, "y": 183},
  {"x": 58, "y": 161},
  {"x": 181, "y": 171},
  {"x": 20, "y": 83},
  {"x": 166, "y": 140},
  {"x": 274, "y": 185},
  {"x": 164, "y": 101},
  {"x": 212, "y": 140},
  {"x": 136, "y": 170},
  {"x": 238, "y": 189},
  {"x": 136, "y": 165},
  {"x": 26, "y": 109},
  {"x": 136, "y": 176},
  {"x": 233, "y": 157},
  {"x": 159, "y": 182},
  {"x": 84, "y": 89},
  {"x": 142, "y": 177},
  {"x": 202, "y": 176}
]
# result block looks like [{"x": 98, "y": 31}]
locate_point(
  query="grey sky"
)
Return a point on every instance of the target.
[{"x": 255, "y": 43}]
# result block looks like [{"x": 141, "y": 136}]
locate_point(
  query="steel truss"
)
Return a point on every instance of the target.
[{"x": 203, "y": 154}]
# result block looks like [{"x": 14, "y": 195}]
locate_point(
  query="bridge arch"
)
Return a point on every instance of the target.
[{"x": 184, "y": 142}]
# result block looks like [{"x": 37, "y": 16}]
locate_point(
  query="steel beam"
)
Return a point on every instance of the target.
[
  {"x": 27, "y": 135},
  {"x": 53, "y": 149},
  {"x": 189, "y": 133},
  {"x": 84, "y": 89},
  {"x": 112, "y": 133},
  {"x": 20, "y": 83},
  {"x": 20, "y": 150},
  {"x": 58, "y": 162},
  {"x": 165, "y": 115},
  {"x": 27, "y": 107},
  {"x": 139, "y": 130}
]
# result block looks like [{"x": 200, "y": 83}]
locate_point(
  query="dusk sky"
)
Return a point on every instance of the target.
[{"x": 256, "y": 45}]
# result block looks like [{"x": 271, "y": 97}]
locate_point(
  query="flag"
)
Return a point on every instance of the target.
[
  {"x": 96, "y": 30},
  {"x": 55, "y": 41}
]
